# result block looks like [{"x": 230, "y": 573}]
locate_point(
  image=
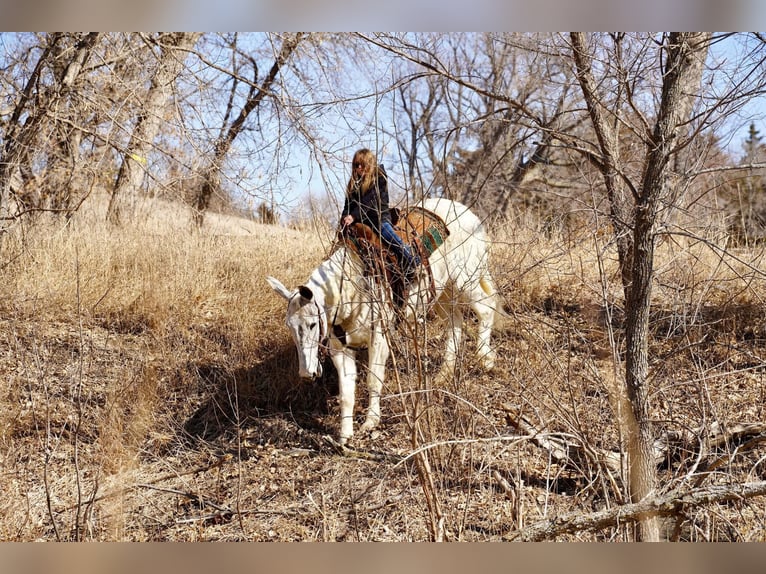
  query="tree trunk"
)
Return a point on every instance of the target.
[
  {"x": 641, "y": 467},
  {"x": 132, "y": 172},
  {"x": 608, "y": 161},
  {"x": 211, "y": 177},
  {"x": 684, "y": 61},
  {"x": 38, "y": 107}
]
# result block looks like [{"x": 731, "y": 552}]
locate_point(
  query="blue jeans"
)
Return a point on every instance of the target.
[{"x": 407, "y": 260}]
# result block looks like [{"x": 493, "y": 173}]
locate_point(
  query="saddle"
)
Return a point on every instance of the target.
[
  {"x": 419, "y": 228},
  {"x": 422, "y": 229}
]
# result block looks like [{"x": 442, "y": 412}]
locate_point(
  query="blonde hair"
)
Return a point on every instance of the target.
[{"x": 366, "y": 157}]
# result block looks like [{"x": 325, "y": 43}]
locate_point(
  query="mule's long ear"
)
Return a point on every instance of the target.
[
  {"x": 306, "y": 293},
  {"x": 276, "y": 284}
]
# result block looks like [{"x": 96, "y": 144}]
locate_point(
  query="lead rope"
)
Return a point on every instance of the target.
[{"x": 324, "y": 345}]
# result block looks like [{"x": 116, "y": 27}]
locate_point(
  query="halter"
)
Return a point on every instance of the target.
[{"x": 323, "y": 331}]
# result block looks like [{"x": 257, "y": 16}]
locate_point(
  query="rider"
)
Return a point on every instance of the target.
[{"x": 367, "y": 202}]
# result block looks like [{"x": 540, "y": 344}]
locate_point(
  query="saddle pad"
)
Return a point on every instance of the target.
[
  {"x": 422, "y": 229},
  {"x": 418, "y": 224}
]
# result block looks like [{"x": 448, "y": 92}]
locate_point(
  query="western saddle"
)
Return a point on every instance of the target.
[{"x": 423, "y": 230}]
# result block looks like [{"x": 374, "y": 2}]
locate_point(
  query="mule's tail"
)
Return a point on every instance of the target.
[{"x": 487, "y": 284}]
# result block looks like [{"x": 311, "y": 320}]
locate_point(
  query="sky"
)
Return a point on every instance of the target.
[
  {"x": 311, "y": 187},
  {"x": 308, "y": 183},
  {"x": 753, "y": 111}
]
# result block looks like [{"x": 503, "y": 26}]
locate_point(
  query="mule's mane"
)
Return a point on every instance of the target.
[{"x": 334, "y": 276}]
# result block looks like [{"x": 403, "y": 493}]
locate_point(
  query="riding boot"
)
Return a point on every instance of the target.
[
  {"x": 399, "y": 284},
  {"x": 409, "y": 265},
  {"x": 399, "y": 292},
  {"x": 406, "y": 271}
]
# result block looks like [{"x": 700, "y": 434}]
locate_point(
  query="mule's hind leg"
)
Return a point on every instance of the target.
[
  {"x": 482, "y": 299},
  {"x": 448, "y": 309}
]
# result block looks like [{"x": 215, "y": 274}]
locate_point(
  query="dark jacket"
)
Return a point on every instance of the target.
[{"x": 370, "y": 207}]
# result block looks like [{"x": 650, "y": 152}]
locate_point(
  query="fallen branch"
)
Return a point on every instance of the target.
[
  {"x": 227, "y": 514},
  {"x": 171, "y": 475},
  {"x": 197, "y": 499},
  {"x": 568, "y": 450},
  {"x": 565, "y": 450},
  {"x": 666, "y": 505}
]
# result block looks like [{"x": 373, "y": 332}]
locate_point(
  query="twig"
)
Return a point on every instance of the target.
[
  {"x": 162, "y": 478},
  {"x": 566, "y": 451},
  {"x": 186, "y": 494},
  {"x": 563, "y": 450},
  {"x": 504, "y": 484},
  {"x": 227, "y": 514}
]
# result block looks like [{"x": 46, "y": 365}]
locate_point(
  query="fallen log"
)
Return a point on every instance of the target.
[
  {"x": 665, "y": 505},
  {"x": 564, "y": 449}
]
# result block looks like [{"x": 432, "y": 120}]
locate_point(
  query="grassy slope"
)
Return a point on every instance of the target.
[{"x": 149, "y": 391}]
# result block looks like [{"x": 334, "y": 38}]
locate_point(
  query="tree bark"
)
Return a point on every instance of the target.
[
  {"x": 607, "y": 161},
  {"x": 38, "y": 106},
  {"x": 685, "y": 53},
  {"x": 684, "y": 61},
  {"x": 667, "y": 505}
]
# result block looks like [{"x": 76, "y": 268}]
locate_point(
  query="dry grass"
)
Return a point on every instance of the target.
[{"x": 150, "y": 392}]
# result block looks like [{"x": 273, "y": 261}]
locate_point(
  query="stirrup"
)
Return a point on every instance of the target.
[{"x": 409, "y": 275}]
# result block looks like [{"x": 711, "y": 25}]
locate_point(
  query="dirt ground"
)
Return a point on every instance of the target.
[
  {"x": 111, "y": 440},
  {"x": 156, "y": 398}
]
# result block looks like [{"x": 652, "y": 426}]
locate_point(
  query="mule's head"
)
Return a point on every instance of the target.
[{"x": 307, "y": 323}]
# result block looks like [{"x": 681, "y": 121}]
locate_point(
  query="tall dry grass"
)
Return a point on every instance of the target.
[
  {"x": 706, "y": 348},
  {"x": 109, "y": 329},
  {"x": 143, "y": 351}
]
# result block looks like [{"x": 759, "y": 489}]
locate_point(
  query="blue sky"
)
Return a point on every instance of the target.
[{"x": 343, "y": 134}]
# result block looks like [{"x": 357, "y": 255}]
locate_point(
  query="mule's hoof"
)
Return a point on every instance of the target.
[
  {"x": 339, "y": 445},
  {"x": 369, "y": 424},
  {"x": 488, "y": 361}
]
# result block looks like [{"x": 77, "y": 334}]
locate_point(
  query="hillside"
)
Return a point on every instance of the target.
[{"x": 150, "y": 392}]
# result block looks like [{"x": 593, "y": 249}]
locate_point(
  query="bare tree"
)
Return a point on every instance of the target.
[
  {"x": 211, "y": 175},
  {"x": 684, "y": 59},
  {"x": 481, "y": 115},
  {"x": 173, "y": 51},
  {"x": 46, "y": 98},
  {"x": 417, "y": 132},
  {"x": 642, "y": 119}
]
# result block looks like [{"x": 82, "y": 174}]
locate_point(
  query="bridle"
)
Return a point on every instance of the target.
[
  {"x": 324, "y": 330},
  {"x": 323, "y": 347}
]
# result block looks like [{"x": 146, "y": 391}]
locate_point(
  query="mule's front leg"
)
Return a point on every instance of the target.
[
  {"x": 345, "y": 363},
  {"x": 376, "y": 371}
]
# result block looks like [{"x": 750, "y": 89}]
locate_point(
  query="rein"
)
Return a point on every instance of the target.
[{"x": 333, "y": 327}]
